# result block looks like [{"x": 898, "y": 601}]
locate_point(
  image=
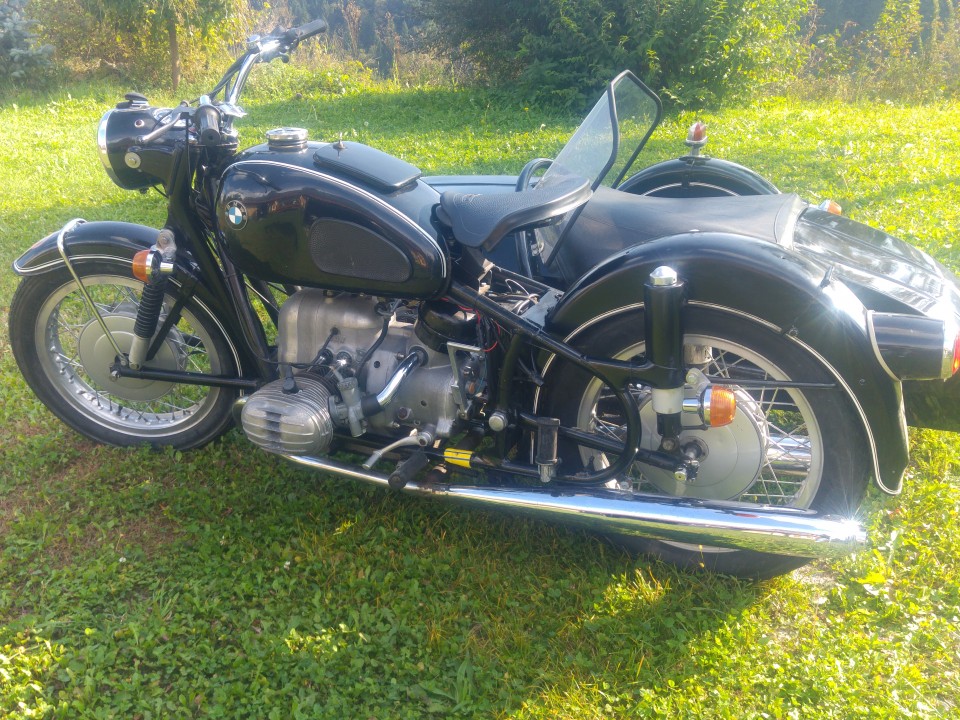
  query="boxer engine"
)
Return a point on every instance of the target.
[{"x": 359, "y": 365}]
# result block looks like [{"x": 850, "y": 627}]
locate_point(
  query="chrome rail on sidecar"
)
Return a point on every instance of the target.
[{"x": 782, "y": 531}]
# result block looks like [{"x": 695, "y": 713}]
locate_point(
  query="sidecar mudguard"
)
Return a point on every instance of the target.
[
  {"x": 119, "y": 242},
  {"x": 764, "y": 283}
]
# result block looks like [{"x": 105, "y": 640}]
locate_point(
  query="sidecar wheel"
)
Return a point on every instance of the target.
[
  {"x": 786, "y": 447},
  {"x": 65, "y": 357}
]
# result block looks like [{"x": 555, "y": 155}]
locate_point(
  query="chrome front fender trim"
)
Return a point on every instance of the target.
[{"x": 40, "y": 269}]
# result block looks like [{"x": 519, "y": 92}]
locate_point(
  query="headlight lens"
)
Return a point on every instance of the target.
[{"x": 102, "y": 146}]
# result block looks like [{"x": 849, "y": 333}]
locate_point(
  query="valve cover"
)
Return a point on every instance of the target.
[{"x": 292, "y": 424}]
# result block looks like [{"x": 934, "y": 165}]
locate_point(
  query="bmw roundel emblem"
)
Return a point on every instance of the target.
[{"x": 236, "y": 214}]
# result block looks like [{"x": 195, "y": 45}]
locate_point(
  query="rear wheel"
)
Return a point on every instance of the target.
[
  {"x": 65, "y": 357},
  {"x": 785, "y": 447},
  {"x": 697, "y": 178}
]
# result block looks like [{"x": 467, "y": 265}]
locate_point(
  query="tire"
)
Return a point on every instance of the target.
[
  {"x": 708, "y": 178},
  {"x": 791, "y": 448},
  {"x": 65, "y": 358}
]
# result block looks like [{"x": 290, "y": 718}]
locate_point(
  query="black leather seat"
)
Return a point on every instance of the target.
[
  {"x": 484, "y": 220},
  {"x": 613, "y": 221}
]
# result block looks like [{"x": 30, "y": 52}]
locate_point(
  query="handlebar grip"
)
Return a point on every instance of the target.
[
  {"x": 299, "y": 34},
  {"x": 207, "y": 119}
]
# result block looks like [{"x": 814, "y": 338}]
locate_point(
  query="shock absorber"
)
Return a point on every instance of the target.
[
  {"x": 663, "y": 299},
  {"x": 153, "y": 267}
]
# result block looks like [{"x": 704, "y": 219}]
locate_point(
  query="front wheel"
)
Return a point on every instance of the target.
[
  {"x": 785, "y": 447},
  {"x": 65, "y": 358}
]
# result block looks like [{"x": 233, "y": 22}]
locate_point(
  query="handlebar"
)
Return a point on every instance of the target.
[
  {"x": 264, "y": 49},
  {"x": 212, "y": 120},
  {"x": 307, "y": 30}
]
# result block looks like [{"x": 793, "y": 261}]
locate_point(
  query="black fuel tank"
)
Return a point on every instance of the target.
[{"x": 341, "y": 216}]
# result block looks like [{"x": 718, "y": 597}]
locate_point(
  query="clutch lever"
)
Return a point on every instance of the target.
[{"x": 178, "y": 113}]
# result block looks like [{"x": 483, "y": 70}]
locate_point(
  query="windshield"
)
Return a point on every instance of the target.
[{"x": 605, "y": 145}]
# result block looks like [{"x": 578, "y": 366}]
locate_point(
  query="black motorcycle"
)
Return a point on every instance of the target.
[{"x": 683, "y": 359}]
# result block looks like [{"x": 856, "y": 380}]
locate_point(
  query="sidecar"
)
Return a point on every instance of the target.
[{"x": 886, "y": 313}]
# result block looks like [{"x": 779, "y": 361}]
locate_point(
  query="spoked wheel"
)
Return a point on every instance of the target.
[
  {"x": 702, "y": 178},
  {"x": 65, "y": 356},
  {"x": 785, "y": 447}
]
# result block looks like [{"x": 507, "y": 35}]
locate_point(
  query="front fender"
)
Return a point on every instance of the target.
[
  {"x": 765, "y": 283},
  {"x": 114, "y": 241},
  {"x": 106, "y": 240}
]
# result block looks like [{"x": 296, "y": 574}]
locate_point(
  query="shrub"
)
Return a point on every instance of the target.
[
  {"x": 143, "y": 42},
  {"x": 20, "y": 54},
  {"x": 910, "y": 53}
]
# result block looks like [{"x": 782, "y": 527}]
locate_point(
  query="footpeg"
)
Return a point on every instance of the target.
[
  {"x": 548, "y": 430},
  {"x": 407, "y": 469}
]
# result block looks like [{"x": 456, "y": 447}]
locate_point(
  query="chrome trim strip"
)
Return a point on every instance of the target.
[
  {"x": 783, "y": 531},
  {"x": 694, "y": 183},
  {"x": 40, "y": 269},
  {"x": 102, "y": 147},
  {"x": 951, "y": 328},
  {"x": 872, "y": 333},
  {"x": 789, "y": 233},
  {"x": 360, "y": 191}
]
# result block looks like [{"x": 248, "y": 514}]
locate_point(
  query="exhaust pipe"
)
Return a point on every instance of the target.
[{"x": 781, "y": 531}]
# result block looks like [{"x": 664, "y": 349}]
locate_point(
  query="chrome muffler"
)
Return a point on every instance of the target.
[{"x": 782, "y": 531}]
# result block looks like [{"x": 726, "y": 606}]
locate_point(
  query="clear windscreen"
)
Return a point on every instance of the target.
[{"x": 604, "y": 147}]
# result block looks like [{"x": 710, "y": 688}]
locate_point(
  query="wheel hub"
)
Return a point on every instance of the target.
[
  {"x": 731, "y": 456},
  {"x": 97, "y": 356}
]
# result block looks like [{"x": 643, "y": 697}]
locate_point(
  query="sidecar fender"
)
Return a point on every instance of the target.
[{"x": 763, "y": 283}]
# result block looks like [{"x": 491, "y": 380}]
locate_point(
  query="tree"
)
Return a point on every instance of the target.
[
  {"x": 19, "y": 51},
  {"x": 167, "y": 19},
  {"x": 694, "y": 51}
]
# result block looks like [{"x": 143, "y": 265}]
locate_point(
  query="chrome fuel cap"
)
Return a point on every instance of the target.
[{"x": 287, "y": 138}]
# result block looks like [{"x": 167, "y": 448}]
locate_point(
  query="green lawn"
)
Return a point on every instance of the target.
[{"x": 225, "y": 583}]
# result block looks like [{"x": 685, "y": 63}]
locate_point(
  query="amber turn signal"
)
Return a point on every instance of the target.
[
  {"x": 956, "y": 355},
  {"x": 142, "y": 265},
  {"x": 831, "y": 206},
  {"x": 719, "y": 406}
]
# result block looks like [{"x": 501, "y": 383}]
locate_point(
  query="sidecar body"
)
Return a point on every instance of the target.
[{"x": 859, "y": 298}]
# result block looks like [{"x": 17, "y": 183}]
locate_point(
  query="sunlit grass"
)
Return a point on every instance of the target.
[{"x": 223, "y": 583}]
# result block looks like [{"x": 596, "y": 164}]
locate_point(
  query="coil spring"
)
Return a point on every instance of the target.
[{"x": 151, "y": 303}]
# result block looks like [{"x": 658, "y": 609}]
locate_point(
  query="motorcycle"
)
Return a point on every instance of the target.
[{"x": 683, "y": 359}]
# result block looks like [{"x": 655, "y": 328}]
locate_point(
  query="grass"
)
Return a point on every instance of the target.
[{"x": 226, "y": 584}]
